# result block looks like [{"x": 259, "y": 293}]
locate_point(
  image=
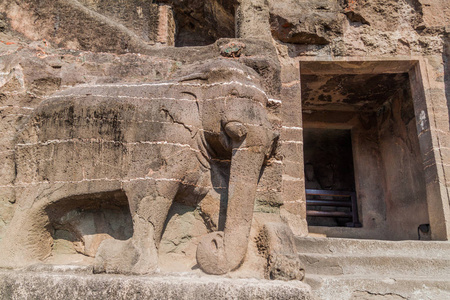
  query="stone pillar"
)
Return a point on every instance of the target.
[
  {"x": 252, "y": 20},
  {"x": 163, "y": 24},
  {"x": 432, "y": 119},
  {"x": 291, "y": 139}
]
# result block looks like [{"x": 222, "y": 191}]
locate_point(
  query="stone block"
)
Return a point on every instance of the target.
[{"x": 67, "y": 283}]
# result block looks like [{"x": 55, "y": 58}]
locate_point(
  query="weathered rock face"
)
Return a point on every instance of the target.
[
  {"x": 130, "y": 26},
  {"x": 65, "y": 23},
  {"x": 306, "y": 22},
  {"x": 358, "y": 27},
  {"x": 149, "y": 21}
]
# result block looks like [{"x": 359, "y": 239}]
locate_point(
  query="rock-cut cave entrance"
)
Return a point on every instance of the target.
[
  {"x": 329, "y": 178},
  {"x": 361, "y": 123}
]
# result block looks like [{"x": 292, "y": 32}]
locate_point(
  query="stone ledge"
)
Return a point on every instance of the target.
[
  {"x": 348, "y": 287},
  {"x": 20, "y": 284}
]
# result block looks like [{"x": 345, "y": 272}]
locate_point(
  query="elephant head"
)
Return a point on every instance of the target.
[{"x": 236, "y": 126}]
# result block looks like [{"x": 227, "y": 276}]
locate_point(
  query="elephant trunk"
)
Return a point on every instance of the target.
[{"x": 221, "y": 252}]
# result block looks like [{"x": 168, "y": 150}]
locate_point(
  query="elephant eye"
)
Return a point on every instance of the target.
[{"x": 234, "y": 92}]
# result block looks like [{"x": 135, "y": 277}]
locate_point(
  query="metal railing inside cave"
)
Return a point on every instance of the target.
[{"x": 336, "y": 199}]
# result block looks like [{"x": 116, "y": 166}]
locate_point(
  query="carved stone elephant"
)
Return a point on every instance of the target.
[{"x": 154, "y": 141}]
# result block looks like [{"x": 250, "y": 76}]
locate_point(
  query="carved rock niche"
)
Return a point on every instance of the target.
[{"x": 79, "y": 224}]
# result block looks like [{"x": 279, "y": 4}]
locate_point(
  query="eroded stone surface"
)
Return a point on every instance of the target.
[{"x": 62, "y": 286}]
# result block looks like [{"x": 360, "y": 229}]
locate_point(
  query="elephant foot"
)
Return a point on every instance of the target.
[{"x": 125, "y": 257}]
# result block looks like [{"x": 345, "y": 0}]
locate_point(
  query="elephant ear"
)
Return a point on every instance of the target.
[{"x": 186, "y": 115}]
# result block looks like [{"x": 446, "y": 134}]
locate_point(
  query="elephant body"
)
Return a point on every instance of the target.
[{"x": 156, "y": 142}]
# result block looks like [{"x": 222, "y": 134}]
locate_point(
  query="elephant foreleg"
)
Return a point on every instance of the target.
[{"x": 149, "y": 206}]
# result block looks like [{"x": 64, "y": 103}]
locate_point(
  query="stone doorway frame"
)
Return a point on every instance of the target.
[{"x": 432, "y": 123}]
